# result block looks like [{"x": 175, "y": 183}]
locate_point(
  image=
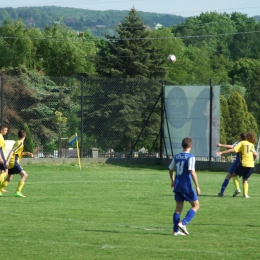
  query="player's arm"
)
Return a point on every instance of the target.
[
  {"x": 228, "y": 146},
  {"x": 172, "y": 177},
  {"x": 195, "y": 181},
  {"x": 27, "y": 153},
  {"x": 232, "y": 150},
  {"x": 9, "y": 157}
]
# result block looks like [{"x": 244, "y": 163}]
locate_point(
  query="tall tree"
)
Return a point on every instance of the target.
[{"x": 132, "y": 53}]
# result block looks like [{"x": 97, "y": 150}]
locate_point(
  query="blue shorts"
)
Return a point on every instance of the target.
[
  {"x": 15, "y": 170},
  {"x": 180, "y": 197},
  {"x": 245, "y": 172},
  {"x": 233, "y": 167}
]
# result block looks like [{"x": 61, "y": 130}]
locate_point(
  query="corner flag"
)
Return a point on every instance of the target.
[{"x": 74, "y": 139}]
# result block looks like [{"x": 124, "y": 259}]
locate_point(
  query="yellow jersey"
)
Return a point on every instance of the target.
[
  {"x": 17, "y": 154},
  {"x": 2, "y": 146},
  {"x": 246, "y": 151}
]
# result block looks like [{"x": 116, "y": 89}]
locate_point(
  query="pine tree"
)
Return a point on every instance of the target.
[{"x": 132, "y": 53}]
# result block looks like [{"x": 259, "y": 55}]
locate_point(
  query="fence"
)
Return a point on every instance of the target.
[{"x": 107, "y": 114}]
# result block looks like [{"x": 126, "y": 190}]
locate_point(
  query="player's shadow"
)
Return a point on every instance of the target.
[{"x": 124, "y": 232}]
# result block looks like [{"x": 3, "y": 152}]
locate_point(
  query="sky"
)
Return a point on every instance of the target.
[{"x": 183, "y": 8}]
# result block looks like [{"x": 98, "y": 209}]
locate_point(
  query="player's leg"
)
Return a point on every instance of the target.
[
  {"x": 177, "y": 213},
  {"x": 224, "y": 184},
  {"x": 245, "y": 182},
  {"x": 6, "y": 181},
  {"x": 3, "y": 182},
  {"x": 195, "y": 205},
  {"x": 24, "y": 176}
]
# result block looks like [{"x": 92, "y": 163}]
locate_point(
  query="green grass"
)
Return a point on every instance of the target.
[{"x": 116, "y": 212}]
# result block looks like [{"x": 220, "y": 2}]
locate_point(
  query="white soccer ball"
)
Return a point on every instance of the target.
[{"x": 171, "y": 58}]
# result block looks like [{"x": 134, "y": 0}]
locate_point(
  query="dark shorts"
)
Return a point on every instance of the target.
[
  {"x": 245, "y": 172},
  {"x": 233, "y": 167},
  {"x": 191, "y": 196},
  {"x": 15, "y": 170},
  {"x": 3, "y": 166}
]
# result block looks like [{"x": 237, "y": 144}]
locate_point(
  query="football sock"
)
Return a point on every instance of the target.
[
  {"x": 176, "y": 220},
  {"x": 20, "y": 186},
  {"x": 224, "y": 185},
  {"x": 2, "y": 178},
  {"x": 189, "y": 216},
  {"x": 245, "y": 188},
  {"x": 4, "y": 184},
  {"x": 235, "y": 180}
]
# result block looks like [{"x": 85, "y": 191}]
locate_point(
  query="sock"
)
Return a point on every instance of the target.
[
  {"x": 20, "y": 186},
  {"x": 224, "y": 185},
  {"x": 245, "y": 188},
  {"x": 4, "y": 184},
  {"x": 189, "y": 216},
  {"x": 235, "y": 180},
  {"x": 2, "y": 178},
  {"x": 176, "y": 220}
]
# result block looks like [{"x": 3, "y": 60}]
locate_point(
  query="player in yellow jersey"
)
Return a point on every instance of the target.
[
  {"x": 248, "y": 155},
  {"x": 13, "y": 165},
  {"x": 3, "y": 168}
]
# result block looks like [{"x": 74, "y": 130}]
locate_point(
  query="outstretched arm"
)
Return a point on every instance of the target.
[
  {"x": 228, "y": 146},
  {"x": 227, "y": 151}
]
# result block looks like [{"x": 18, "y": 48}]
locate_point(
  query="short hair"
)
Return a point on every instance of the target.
[
  {"x": 3, "y": 126},
  {"x": 251, "y": 137},
  {"x": 243, "y": 136},
  {"x": 186, "y": 143},
  {"x": 21, "y": 133}
]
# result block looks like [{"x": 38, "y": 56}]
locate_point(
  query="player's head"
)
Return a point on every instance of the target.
[
  {"x": 186, "y": 143},
  {"x": 3, "y": 129},
  {"x": 21, "y": 133},
  {"x": 243, "y": 136},
  {"x": 250, "y": 137}
]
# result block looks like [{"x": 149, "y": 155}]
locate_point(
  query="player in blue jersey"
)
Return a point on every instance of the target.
[
  {"x": 232, "y": 168},
  {"x": 184, "y": 165}
]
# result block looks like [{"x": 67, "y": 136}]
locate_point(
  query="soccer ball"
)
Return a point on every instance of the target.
[{"x": 171, "y": 58}]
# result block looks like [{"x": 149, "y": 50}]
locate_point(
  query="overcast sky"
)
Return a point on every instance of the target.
[{"x": 181, "y": 7}]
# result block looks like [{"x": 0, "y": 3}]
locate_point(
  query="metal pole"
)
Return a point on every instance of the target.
[
  {"x": 162, "y": 113},
  {"x": 82, "y": 116},
  {"x": 210, "y": 120}
]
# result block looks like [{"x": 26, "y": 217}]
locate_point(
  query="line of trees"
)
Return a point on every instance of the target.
[{"x": 224, "y": 47}]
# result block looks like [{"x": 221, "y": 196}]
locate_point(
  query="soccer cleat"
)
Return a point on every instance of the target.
[
  {"x": 246, "y": 197},
  {"x": 236, "y": 193},
  {"x": 183, "y": 228},
  {"x": 1, "y": 195},
  {"x": 220, "y": 195},
  {"x": 19, "y": 194},
  {"x": 179, "y": 233}
]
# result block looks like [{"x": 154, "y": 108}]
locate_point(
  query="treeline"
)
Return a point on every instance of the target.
[
  {"x": 97, "y": 23},
  {"x": 224, "y": 47}
]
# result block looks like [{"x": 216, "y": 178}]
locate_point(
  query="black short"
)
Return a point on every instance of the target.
[
  {"x": 15, "y": 170},
  {"x": 245, "y": 172}
]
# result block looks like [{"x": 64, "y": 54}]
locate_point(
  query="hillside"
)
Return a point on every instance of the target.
[{"x": 97, "y": 22}]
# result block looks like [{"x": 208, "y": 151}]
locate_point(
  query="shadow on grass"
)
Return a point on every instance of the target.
[{"x": 124, "y": 232}]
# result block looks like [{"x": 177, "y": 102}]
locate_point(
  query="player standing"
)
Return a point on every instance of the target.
[
  {"x": 184, "y": 166},
  {"x": 232, "y": 168},
  {"x": 247, "y": 154}
]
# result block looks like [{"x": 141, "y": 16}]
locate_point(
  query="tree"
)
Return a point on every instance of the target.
[
  {"x": 240, "y": 119},
  {"x": 28, "y": 142},
  {"x": 132, "y": 54}
]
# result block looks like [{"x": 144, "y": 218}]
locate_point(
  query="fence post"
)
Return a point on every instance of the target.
[
  {"x": 82, "y": 116},
  {"x": 210, "y": 120},
  {"x": 2, "y": 99}
]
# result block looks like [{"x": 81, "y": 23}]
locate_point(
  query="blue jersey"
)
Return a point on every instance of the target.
[{"x": 183, "y": 163}]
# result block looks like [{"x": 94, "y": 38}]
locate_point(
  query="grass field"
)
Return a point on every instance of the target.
[{"x": 123, "y": 212}]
